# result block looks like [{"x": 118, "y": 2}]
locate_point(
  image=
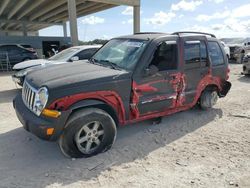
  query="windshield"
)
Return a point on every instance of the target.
[
  {"x": 64, "y": 55},
  {"x": 120, "y": 53}
]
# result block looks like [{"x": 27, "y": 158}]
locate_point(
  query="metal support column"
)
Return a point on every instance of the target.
[
  {"x": 137, "y": 19},
  {"x": 24, "y": 28},
  {"x": 65, "y": 34},
  {"x": 73, "y": 22}
]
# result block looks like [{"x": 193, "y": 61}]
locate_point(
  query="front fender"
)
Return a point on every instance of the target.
[{"x": 91, "y": 102}]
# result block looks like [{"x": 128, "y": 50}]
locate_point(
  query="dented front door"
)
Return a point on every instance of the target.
[{"x": 158, "y": 93}]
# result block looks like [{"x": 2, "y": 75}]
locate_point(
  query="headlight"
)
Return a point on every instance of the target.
[
  {"x": 21, "y": 73},
  {"x": 41, "y": 100},
  {"x": 43, "y": 95}
]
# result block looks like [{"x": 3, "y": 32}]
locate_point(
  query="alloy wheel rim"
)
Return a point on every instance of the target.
[
  {"x": 214, "y": 98},
  {"x": 89, "y": 137}
]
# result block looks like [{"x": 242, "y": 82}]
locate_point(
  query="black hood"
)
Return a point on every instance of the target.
[{"x": 72, "y": 74}]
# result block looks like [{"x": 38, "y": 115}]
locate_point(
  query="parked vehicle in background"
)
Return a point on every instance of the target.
[
  {"x": 28, "y": 47},
  {"x": 238, "y": 52},
  {"x": 246, "y": 64},
  {"x": 130, "y": 79},
  {"x": 247, "y": 46},
  {"x": 72, "y": 54},
  {"x": 16, "y": 53},
  {"x": 232, "y": 48}
]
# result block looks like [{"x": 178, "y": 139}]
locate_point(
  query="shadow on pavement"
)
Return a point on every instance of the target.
[
  {"x": 244, "y": 78},
  {"x": 27, "y": 161}
]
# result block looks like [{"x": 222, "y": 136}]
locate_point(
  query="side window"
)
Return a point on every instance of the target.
[
  {"x": 165, "y": 56},
  {"x": 215, "y": 53},
  {"x": 192, "y": 52},
  {"x": 204, "y": 56},
  {"x": 86, "y": 54}
]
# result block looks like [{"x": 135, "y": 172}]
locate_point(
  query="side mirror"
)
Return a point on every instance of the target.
[
  {"x": 75, "y": 58},
  {"x": 151, "y": 70}
]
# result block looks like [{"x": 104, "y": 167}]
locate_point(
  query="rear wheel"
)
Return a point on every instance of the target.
[
  {"x": 87, "y": 133},
  {"x": 208, "y": 99}
]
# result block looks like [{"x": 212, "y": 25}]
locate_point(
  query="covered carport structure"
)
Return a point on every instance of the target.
[{"x": 32, "y": 15}]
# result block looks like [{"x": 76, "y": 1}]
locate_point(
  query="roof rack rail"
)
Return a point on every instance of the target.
[
  {"x": 142, "y": 33},
  {"x": 193, "y": 32}
]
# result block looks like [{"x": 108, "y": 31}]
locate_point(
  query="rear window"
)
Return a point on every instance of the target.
[{"x": 215, "y": 53}]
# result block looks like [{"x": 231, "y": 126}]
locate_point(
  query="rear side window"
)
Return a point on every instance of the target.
[
  {"x": 192, "y": 52},
  {"x": 203, "y": 47},
  {"x": 195, "y": 52},
  {"x": 215, "y": 53}
]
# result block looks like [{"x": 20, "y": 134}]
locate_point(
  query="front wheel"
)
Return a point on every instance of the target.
[
  {"x": 208, "y": 99},
  {"x": 87, "y": 133}
]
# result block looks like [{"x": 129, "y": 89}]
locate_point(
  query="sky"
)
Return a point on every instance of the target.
[{"x": 224, "y": 18}]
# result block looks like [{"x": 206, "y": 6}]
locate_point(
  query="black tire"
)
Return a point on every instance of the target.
[
  {"x": 68, "y": 140},
  {"x": 208, "y": 99}
]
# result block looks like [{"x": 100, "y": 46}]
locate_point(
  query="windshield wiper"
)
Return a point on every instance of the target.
[
  {"x": 93, "y": 60},
  {"x": 111, "y": 64}
]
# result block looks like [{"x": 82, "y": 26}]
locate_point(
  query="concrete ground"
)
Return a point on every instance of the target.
[{"x": 189, "y": 149}]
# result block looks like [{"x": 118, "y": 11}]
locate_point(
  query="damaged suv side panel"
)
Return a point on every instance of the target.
[{"x": 130, "y": 79}]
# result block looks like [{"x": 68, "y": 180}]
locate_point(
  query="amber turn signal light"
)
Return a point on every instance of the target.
[
  {"x": 51, "y": 113},
  {"x": 50, "y": 131}
]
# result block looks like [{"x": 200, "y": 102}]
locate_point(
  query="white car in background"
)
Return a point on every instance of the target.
[
  {"x": 72, "y": 54},
  {"x": 226, "y": 48}
]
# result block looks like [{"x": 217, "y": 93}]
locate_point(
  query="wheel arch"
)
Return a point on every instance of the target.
[
  {"x": 210, "y": 86},
  {"x": 93, "y": 103}
]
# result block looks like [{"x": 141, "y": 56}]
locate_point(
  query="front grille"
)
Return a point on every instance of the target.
[{"x": 28, "y": 95}]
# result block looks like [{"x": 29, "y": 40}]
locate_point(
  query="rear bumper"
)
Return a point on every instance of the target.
[
  {"x": 225, "y": 88},
  {"x": 39, "y": 125}
]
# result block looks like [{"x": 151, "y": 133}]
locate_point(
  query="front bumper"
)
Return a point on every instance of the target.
[{"x": 39, "y": 125}]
